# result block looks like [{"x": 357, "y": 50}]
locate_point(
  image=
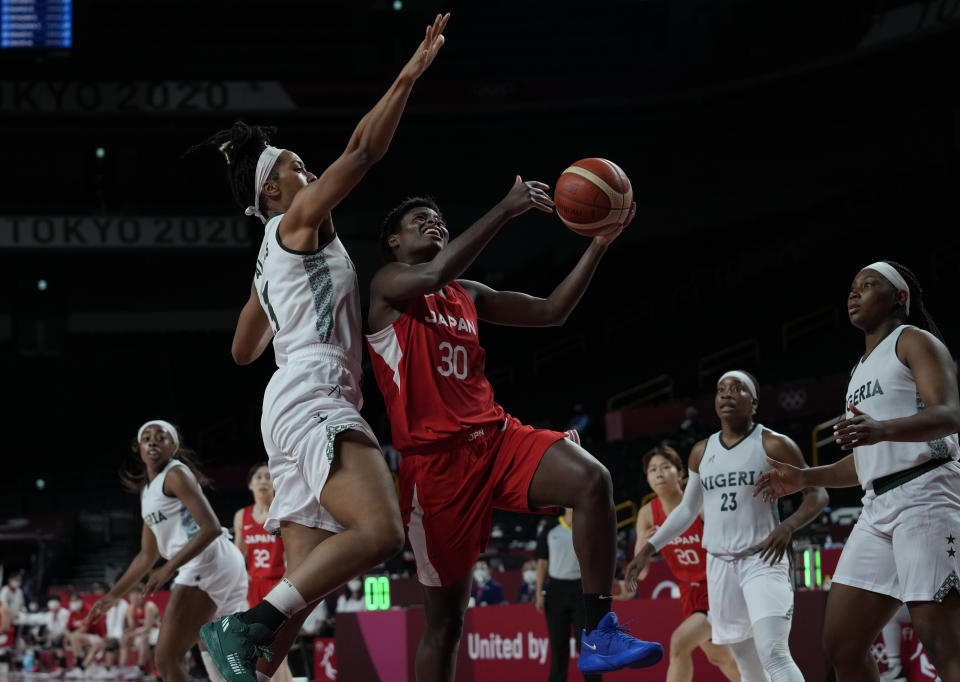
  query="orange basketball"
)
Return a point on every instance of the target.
[{"x": 593, "y": 196}]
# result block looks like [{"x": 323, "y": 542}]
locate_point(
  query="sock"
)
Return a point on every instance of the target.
[
  {"x": 262, "y": 677},
  {"x": 211, "y": 669},
  {"x": 595, "y": 607},
  {"x": 281, "y": 603}
]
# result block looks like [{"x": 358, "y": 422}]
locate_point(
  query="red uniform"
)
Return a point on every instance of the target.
[
  {"x": 687, "y": 559},
  {"x": 264, "y": 557},
  {"x": 75, "y": 622},
  {"x": 462, "y": 454}
]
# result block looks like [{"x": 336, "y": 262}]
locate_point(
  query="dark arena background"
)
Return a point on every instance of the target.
[{"x": 774, "y": 150}]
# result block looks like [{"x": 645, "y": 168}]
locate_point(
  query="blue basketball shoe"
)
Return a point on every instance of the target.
[{"x": 609, "y": 648}]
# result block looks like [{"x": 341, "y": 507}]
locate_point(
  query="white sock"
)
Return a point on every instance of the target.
[
  {"x": 211, "y": 669},
  {"x": 286, "y": 598},
  {"x": 262, "y": 677}
]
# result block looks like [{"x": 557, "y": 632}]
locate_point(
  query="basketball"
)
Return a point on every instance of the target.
[{"x": 593, "y": 196}]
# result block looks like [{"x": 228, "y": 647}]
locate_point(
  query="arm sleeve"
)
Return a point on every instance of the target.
[{"x": 681, "y": 517}]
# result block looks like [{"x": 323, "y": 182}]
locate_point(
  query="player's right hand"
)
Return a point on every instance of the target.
[
  {"x": 541, "y": 602},
  {"x": 526, "y": 195},
  {"x": 782, "y": 480},
  {"x": 99, "y": 609},
  {"x": 427, "y": 50}
]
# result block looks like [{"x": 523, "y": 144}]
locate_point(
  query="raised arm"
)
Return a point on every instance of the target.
[
  {"x": 783, "y": 449},
  {"x": 398, "y": 282},
  {"x": 254, "y": 332},
  {"x": 522, "y": 310},
  {"x": 308, "y": 221}
]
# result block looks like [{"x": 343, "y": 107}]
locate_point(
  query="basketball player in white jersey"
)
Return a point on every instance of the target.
[
  {"x": 335, "y": 503},
  {"x": 180, "y": 526},
  {"x": 901, "y": 422},
  {"x": 751, "y": 594}
]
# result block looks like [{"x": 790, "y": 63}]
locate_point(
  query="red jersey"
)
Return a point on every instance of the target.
[
  {"x": 429, "y": 366},
  {"x": 75, "y": 622},
  {"x": 685, "y": 555},
  {"x": 264, "y": 550}
]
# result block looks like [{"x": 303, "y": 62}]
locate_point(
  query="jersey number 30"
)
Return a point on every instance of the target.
[{"x": 454, "y": 360}]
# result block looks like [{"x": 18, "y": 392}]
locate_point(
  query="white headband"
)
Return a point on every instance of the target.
[
  {"x": 166, "y": 426},
  {"x": 891, "y": 275},
  {"x": 268, "y": 157},
  {"x": 743, "y": 379}
]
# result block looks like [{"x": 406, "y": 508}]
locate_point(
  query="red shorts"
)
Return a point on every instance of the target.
[
  {"x": 260, "y": 587},
  {"x": 447, "y": 497},
  {"x": 693, "y": 598}
]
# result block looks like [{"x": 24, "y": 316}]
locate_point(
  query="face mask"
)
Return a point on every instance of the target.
[
  {"x": 530, "y": 577},
  {"x": 354, "y": 585},
  {"x": 76, "y": 605},
  {"x": 481, "y": 575},
  {"x": 53, "y": 605}
]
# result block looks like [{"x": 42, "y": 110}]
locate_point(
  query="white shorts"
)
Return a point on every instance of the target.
[
  {"x": 742, "y": 591},
  {"x": 308, "y": 402},
  {"x": 906, "y": 543},
  {"x": 219, "y": 570}
]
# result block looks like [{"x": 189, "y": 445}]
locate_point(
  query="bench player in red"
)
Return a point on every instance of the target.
[
  {"x": 687, "y": 560},
  {"x": 262, "y": 550},
  {"x": 463, "y": 455}
]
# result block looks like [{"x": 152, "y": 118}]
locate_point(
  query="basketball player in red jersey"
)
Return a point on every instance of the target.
[
  {"x": 687, "y": 560},
  {"x": 462, "y": 454},
  {"x": 262, "y": 550}
]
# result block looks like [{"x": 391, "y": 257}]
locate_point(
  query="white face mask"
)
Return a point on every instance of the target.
[
  {"x": 53, "y": 605},
  {"x": 354, "y": 585},
  {"x": 481, "y": 575},
  {"x": 530, "y": 577},
  {"x": 76, "y": 605}
]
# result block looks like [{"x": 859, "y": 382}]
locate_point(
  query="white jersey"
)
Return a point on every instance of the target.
[
  {"x": 312, "y": 298},
  {"x": 167, "y": 516},
  {"x": 884, "y": 388},
  {"x": 734, "y": 521}
]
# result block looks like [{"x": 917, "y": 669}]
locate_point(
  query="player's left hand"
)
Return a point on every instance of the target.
[
  {"x": 860, "y": 429},
  {"x": 776, "y": 544},
  {"x": 606, "y": 239},
  {"x": 158, "y": 579}
]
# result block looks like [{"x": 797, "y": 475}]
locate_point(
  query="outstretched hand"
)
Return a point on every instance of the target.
[
  {"x": 860, "y": 429},
  {"x": 782, "y": 480},
  {"x": 603, "y": 240},
  {"x": 526, "y": 195},
  {"x": 98, "y": 609},
  {"x": 427, "y": 50},
  {"x": 637, "y": 564}
]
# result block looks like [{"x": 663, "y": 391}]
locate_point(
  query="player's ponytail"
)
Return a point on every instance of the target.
[
  {"x": 919, "y": 315},
  {"x": 241, "y": 146}
]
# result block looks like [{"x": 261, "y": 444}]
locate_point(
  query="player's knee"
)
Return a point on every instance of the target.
[
  {"x": 718, "y": 656},
  {"x": 166, "y": 660},
  {"x": 936, "y": 642},
  {"x": 597, "y": 482},
  {"x": 385, "y": 537},
  {"x": 840, "y": 650},
  {"x": 446, "y": 631},
  {"x": 679, "y": 647}
]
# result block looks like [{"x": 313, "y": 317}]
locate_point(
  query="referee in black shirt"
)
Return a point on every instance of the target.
[{"x": 559, "y": 593}]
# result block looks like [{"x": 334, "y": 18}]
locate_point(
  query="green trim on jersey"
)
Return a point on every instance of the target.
[
  {"x": 863, "y": 358},
  {"x": 294, "y": 251},
  {"x": 743, "y": 438},
  {"x": 321, "y": 286}
]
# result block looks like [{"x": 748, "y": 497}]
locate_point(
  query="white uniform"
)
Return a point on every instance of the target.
[
  {"x": 907, "y": 539},
  {"x": 312, "y": 300},
  {"x": 219, "y": 570},
  {"x": 743, "y": 589}
]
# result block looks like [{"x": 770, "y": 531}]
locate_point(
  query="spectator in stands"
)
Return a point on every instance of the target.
[
  {"x": 319, "y": 623},
  {"x": 141, "y": 628},
  {"x": 486, "y": 591},
  {"x": 58, "y": 618},
  {"x": 528, "y": 589},
  {"x": 108, "y": 647},
  {"x": 11, "y": 594},
  {"x": 352, "y": 598},
  {"x": 80, "y": 635}
]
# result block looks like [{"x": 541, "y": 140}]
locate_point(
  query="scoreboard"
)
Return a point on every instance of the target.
[{"x": 43, "y": 24}]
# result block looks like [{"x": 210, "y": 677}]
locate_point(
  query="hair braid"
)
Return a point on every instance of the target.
[
  {"x": 241, "y": 146},
  {"x": 919, "y": 315}
]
